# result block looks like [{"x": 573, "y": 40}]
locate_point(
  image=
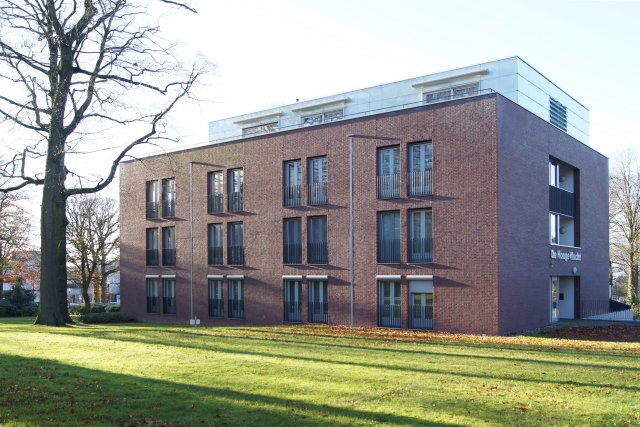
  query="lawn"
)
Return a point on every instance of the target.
[{"x": 145, "y": 374}]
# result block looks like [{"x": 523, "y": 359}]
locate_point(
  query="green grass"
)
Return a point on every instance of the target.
[{"x": 143, "y": 374}]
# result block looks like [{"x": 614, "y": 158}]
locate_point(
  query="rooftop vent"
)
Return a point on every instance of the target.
[{"x": 557, "y": 114}]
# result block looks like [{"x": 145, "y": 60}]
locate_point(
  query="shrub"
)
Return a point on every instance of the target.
[
  {"x": 7, "y": 309},
  {"x": 29, "y": 310},
  {"x": 77, "y": 309},
  {"x": 112, "y": 308},
  {"x": 98, "y": 308},
  {"x": 111, "y": 317}
]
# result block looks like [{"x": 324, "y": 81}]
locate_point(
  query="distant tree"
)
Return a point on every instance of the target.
[{"x": 14, "y": 235}]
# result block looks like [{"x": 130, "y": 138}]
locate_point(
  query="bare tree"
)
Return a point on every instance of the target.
[
  {"x": 624, "y": 218},
  {"x": 14, "y": 232},
  {"x": 77, "y": 74},
  {"x": 107, "y": 250}
]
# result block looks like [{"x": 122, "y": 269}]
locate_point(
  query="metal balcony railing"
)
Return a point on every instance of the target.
[
  {"x": 317, "y": 253},
  {"x": 214, "y": 203},
  {"x": 389, "y": 251},
  {"x": 152, "y": 257},
  {"x": 236, "y": 309},
  {"x": 389, "y": 186},
  {"x": 420, "y": 316},
  {"x": 562, "y": 201},
  {"x": 420, "y": 249},
  {"x": 318, "y": 312},
  {"x": 293, "y": 311},
  {"x": 168, "y": 257},
  {"x": 169, "y": 305},
  {"x": 153, "y": 209},
  {"x": 215, "y": 255},
  {"x": 169, "y": 208},
  {"x": 216, "y": 307},
  {"x": 152, "y": 305},
  {"x": 389, "y": 315},
  {"x": 236, "y": 202},
  {"x": 318, "y": 193},
  {"x": 292, "y": 253},
  {"x": 235, "y": 255},
  {"x": 291, "y": 195},
  {"x": 420, "y": 183}
]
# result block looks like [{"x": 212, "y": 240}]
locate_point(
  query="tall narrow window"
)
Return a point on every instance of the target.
[
  {"x": 236, "y": 190},
  {"x": 215, "y": 244},
  {"x": 152, "y": 199},
  {"x": 152, "y": 246},
  {"x": 554, "y": 173},
  {"x": 216, "y": 302},
  {"x": 317, "y": 251},
  {"x": 388, "y": 172},
  {"x": 389, "y": 237},
  {"x": 318, "y": 302},
  {"x": 236, "y": 298},
  {"x": 421, "y": 304},
  {"x": 168, "y": 246},
  {"x": 293, "y": 300},
  {"x": 292, "y": 245},
  {"x": 318, "y": 178},
  {"x": 169, "y": 296},
  {"x": 235, "y": 250},
  {"x": 215, "y": 188},
  {"x": 420, "y": 165},
  {"x": 168, "y": 197},
  {"x": 554, "y": 228},
  {"x": 153, "y": 303},
  {"x": 420, "y": 242},
  {"x": 389, "y": 303},
  {"x": 292, "y": 176}
]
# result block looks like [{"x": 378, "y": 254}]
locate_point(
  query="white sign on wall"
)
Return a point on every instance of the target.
[{"x": 566, "y": 255}]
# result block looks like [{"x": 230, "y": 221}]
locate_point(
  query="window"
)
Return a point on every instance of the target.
[
  {"x": 315, "y": 119},
  {"x": 153, "y": 303},
  {"x": 236, "y": 298},
  {"x": 389, "y": 172},
  {"x": 389, "y": 303},
  {"x": 152, "y": 246},
  {"x": 168, "y": 197},
  {"x": 554, "y": 228},
  {"x": 420, "y": 242},
  {"x": 292, "y": 245},
  {"x": 152, "y": 199},
  {"x": 214, "y": 192},
  {"x": 260, "y": 129},
  {"x": 236, "y": 190},
  {"x": 451, "y": 93},
  {"x": 389, "y": 237},
  {"x": 420, "y": 165},
  {"x": 557, "y": 114},
  {"x": 421, "y": 304},
  {"x": 169, "y": 296},
  {"x": 292, "y": 183},
  {"x": 293, "y": 300},
  {"x": 554, "y": 173},
  {"x": 235, "y": 250},
  {"x": 168, "y": 246},
  {"x": 216, "y": 302},
  {"x": 215, "y": 244},
  {"x": 317, "y": 240},
  {"x": 318, "y": 302},
  {"x": 318, "y": 178}
]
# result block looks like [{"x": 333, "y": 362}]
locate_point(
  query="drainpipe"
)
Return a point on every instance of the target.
[
  {"x": 351, "y": 240},
  {"x": 191, "y": 239}
]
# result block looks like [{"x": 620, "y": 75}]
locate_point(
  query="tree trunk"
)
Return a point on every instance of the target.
[
  {"x": 87, "y": 300},
  {"x": 97, "y": 294},
  {"x": 104, "y": 288}
]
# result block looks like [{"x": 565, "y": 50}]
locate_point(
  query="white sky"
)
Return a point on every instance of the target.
[{"x": 270, "y": 53}]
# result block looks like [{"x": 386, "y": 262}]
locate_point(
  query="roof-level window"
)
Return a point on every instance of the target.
[
  {"x": 316, "y": 119},
  {"x": 257, "y": 130},
  {"x": 451, "y": 93}
]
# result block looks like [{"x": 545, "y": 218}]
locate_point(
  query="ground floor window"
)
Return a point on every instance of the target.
[
  {"x": 421, "y": 304},
  {"x": 169, "y": 296},
  {"x": 216, "y": 302},
  {"x": 293, "y": 300},
  {"x": 318, "y": 302},
  {"x": 236, "y": 298},
  {"x": 389, "y": 303},
  {"x": 153, "y": 303}
]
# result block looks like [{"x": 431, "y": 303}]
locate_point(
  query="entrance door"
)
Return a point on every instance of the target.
[
  {"x": 554, "y": 298},
  {"x": 566, "y": 297}
]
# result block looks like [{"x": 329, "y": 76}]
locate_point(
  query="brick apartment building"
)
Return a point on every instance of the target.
[{"x": 464, "y": 201}]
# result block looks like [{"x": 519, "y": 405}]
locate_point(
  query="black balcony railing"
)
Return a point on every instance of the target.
[
  {"x": 236, "y": 309},
  {"x": 420, "y": 316},
  {"x": 168, "y": 257},
  {"x": 389, "y": 186},
  {"x": 318, "y": 193},
  {"x": 420, "y": 249},
  {"x": 317, "y": 253},
  {"x": 562, "y": 201},
  {"x": 291, "y": 195},
  {"x": 215, "y": 255},
  {"x": 420, "y": 183},
  {"x": 235, "y": 255},
  {"x": 293, "y": 311},
  {"x": 389, "y": 315},
  {"x": 236, "y": 203},
  {"x": 292, "y": 253},
  {"x": 389, "y": 250},
  {"x": 152, "y": 257},
  {"x": 214, "y": 203},
  {"x": 153, "y": 305},
  {"x": 169, "y": 208},
  {"x": 216, "y": 307},
  {"x": 169, "y": 305},
  {"x": 318, "y": 312},
  {"x": 152, "y": 210}
]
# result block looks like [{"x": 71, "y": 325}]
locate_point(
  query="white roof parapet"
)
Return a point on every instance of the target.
[{"x": 461, "y": 76}]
